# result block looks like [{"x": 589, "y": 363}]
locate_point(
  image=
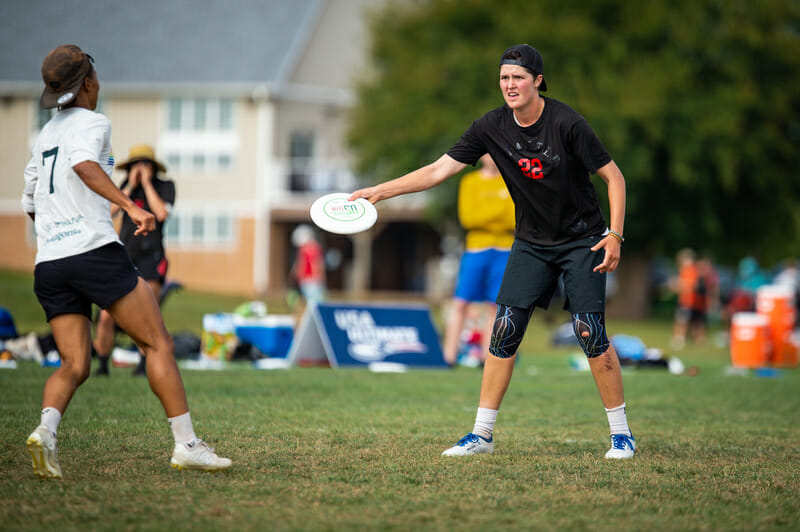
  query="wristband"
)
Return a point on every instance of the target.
[{"x": 617, "y": 236}]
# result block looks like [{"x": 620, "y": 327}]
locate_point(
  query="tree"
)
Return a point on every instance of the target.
[{"x": 697, "y": 101}]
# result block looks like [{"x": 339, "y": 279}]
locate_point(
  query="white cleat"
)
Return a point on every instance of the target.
[
  {"x": 198, "y": 457},
  {"x": 42, "y": 446},
  {"x": 622, "y": 446},
  {"x": 471, "y": 444}
]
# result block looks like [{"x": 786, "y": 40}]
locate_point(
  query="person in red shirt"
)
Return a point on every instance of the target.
[{"x": 309, "y": 267}]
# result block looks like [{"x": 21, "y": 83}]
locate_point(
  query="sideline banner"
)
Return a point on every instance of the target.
[{"x": 352, "y": 335}]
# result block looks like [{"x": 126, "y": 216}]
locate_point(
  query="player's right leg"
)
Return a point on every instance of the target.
[
  {"x": 138, "y": 314},
  {"x": 529, "y": 280},
  {"x": 509, "y": 329},
  {"x": 67, "y": 310},
  {"x": 72, "y": 333}
]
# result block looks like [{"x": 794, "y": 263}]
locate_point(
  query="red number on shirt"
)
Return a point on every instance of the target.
[{"x": 531, "y": 168}]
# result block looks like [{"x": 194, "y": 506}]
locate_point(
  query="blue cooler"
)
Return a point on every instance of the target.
[{"x": 271, "y": 334}]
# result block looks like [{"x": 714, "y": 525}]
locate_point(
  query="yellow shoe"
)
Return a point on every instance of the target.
[{"x": 42, "y": 446}]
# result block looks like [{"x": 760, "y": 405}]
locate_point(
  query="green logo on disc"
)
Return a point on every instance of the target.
[{"x": 343, "y": 210}]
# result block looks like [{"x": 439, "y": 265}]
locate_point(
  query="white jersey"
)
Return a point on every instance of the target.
[{"x": 70, "y": 218}]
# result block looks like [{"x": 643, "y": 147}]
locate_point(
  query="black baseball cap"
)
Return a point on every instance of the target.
[
  {"x": 63, "y": 72},
  {"x": 530, "y": 58}
]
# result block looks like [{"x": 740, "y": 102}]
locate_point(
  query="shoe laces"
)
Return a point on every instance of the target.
[
  {"x": 201, "y": 443},
  {"x": 469, "y": 438},
  {"x": 620, "y": 441}
]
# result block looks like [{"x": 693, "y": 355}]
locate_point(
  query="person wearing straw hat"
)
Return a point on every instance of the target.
[
  {"x": 149, "y": 191},
  {"x": 546, "y": 153},
  {"x": 80, "y": 261}
]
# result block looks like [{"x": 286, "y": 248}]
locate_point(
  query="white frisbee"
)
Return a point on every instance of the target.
[{"x": 333, "y": 213}]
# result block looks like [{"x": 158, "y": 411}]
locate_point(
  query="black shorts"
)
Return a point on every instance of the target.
[
  {"x": 532, "y": 274},
  {"x": 70, "y": 285},
  {"x": 690, "y": 315},
  {"x": 152, "y": 265}
]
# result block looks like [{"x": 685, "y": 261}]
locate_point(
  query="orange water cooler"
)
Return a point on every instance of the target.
[
  {"x": 750, "y": 340},
  {"x": 776, "y": 304}
]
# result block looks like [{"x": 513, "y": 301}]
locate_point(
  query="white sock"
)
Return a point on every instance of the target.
[
  {"x": 182, "y": 429},
  {"x": 51, "y": 417},
  {"x": 484, "y": 423},
  {"x": 618, "y": 420}
]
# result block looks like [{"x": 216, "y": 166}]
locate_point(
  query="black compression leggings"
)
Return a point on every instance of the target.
[{"x": 511, "y": 323}]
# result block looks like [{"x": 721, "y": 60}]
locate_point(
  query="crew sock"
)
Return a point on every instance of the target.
[
  {"x": 182, "y": 429},
  {"x": 618, "y": 420},
  {"x": 51, "y": 417},
  {"x": 484, "y": 423}
]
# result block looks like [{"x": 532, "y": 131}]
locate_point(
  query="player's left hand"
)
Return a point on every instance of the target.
[
  {"x": 613, "y": 254},
  {"x": 144, "y": 221}
]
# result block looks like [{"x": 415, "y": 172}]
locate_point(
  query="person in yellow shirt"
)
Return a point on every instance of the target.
[{"x": 486, "y": 213}]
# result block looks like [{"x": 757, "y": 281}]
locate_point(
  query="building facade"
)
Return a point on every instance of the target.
[{"x": 246, "y": 103}]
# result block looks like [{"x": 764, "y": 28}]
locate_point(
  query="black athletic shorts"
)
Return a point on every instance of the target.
[
  {"x": 70, "y": 285},
  {"x": 152, "y": 265},
  {"x": 532, "y": 274}
]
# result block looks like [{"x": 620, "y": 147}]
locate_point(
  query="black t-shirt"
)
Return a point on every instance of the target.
[
  {"x": 546, "y": 167},
  {"x": 152, "y": 241}
]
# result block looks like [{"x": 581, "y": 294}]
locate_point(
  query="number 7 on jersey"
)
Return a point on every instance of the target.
[{"x": 45, "y": 154}]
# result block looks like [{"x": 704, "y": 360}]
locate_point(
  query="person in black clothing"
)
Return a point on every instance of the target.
[
  {"x": 149, "y": 191},
  {"x": 546, "y": 153}
]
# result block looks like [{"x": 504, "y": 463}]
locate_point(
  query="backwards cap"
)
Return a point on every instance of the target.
[
  {"x": 530, "y": 59},
  {"x": 63, "y": 72}
]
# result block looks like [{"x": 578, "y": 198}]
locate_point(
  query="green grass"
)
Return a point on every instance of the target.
[{"x": 324, "y": 449}]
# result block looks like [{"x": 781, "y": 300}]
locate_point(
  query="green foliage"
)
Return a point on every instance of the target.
[{"x": 697, "y": 101}]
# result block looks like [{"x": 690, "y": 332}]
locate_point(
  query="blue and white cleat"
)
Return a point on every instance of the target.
[
  {"x": 622, "y": 446},
  {"x": 471, "y": 444}
]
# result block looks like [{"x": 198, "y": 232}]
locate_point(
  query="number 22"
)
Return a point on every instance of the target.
[
  {"x": 531, "y": 168},
  {"x": 45, "y": 154}
]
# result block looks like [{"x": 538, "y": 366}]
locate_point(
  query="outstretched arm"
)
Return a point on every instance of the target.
[
  {"x": 97, "y": 180},
  {"x": 421, "y": 179},
  {"x": 612, "y": 175}
]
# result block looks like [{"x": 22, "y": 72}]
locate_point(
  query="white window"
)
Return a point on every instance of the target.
[
  {"x": 301, "y": 160},
  {"x": 200, "y": 137},
  {"x": 193, "y": 228}
]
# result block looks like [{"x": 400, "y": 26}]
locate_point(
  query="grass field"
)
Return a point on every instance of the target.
[{"x": 323, "y": 449}]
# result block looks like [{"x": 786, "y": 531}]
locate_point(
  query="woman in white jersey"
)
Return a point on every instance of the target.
[{"x": 80, "y": 260}]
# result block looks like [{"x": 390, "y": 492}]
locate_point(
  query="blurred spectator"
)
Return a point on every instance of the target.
[
  {"x": 308, "y": 271},
  {"x": 149, "y": 190},
  {"x": 743, "y": 296},
  {"x": 789, "y": 276},
  {"x": 697, "y": 286},
  {"x": 486, "y": 212}
]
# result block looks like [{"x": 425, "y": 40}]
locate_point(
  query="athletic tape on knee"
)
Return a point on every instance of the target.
[
  {"x": 508, "y": 331},
  {"x": 590, "y": 329}
]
